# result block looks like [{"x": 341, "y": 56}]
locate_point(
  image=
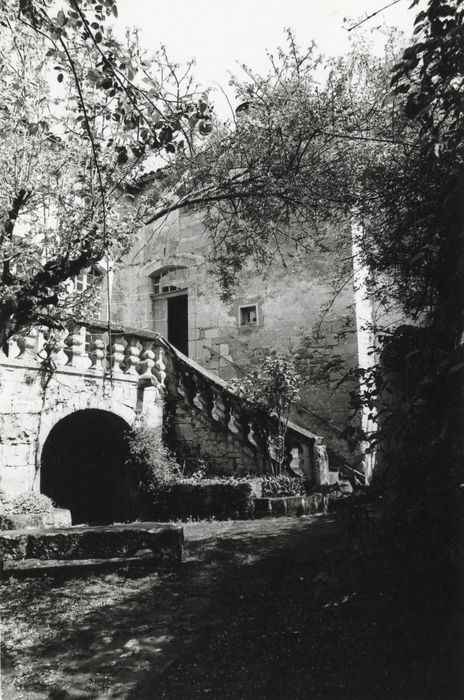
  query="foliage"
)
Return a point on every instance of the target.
[
  {"x": 283, "y": 485},
  {"x": 268, "y": 393},
  {"x": 251, "y": 174},
  {"x": 71, "y": 151},
  {"x": 414, "y": 250},
  {"x": 413, "y": 243},
  {"x": 220, "y": 498},
  {"x": 26, "y": 503},
  {"x": 151, "y": 458},
  {"x": 288, "y": 163}
]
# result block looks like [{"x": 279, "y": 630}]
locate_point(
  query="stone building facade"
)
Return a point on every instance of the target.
[
  {"x": 165, "y": 285},
  {"x": 65, "y": 432}
]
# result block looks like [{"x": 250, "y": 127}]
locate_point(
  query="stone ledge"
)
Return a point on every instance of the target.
[
  {"x": 27, "y": 568},
  {"x": 59, "y": 517},
  {"x": 108, "y": 542},
  {"x": 280, "y": 506}
]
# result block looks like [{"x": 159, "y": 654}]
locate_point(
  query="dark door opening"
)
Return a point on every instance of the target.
[
  {"x": 178, "y": 322},
  {"x": 84, "y": 468}
]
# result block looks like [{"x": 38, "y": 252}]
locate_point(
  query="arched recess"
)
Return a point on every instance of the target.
[{"x": 84, "y": 467}]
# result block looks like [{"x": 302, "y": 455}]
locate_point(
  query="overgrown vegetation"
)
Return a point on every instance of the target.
[
  {"x": 283, "y": 485},
  {"x": 26, "y": 503},
  {"x": 153, "y": 461},
  {"x": 80, "y": 112},
  {"x": 218, "y": 498},
  {"x": 267, "y": 392},
  {"x": 118, "y": 106}
]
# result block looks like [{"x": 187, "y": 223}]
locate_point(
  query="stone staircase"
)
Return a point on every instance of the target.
[
  {"x": 202, "y": 416},
  {"x": 208, "y": 419}
]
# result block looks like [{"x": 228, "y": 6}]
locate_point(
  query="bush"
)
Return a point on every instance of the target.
[
  {"x": 27, "y": 503},
  {"x": 283, "y": 485},
  {"x": 154, "y": 461},
  {"x": 206, "y": 498},
  {"x": 267, "y": 393}
]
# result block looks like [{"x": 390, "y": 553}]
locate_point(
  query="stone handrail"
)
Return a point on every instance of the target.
[
  {"x": 90, "y": 348},
  {"x": 203, "y": 391},
  {"x": 145, "y": 357}
]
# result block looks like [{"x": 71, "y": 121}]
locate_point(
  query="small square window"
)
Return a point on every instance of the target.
[
  {"x": 248, "y": 315},
  {"x": 195, "y": 206}
]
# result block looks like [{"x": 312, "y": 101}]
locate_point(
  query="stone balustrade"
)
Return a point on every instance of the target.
[
  {"x": 208, "y": 395},
  {"x": 91, "y": 349},
  {"x": 146, "y": 358}
]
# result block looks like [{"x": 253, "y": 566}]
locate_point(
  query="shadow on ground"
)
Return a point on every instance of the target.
[{"x": 281, "y": 608}]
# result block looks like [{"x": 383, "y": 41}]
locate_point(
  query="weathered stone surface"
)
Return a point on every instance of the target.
[
  {"x": 289, "y": 505},
  {"x": 344, "y": 487},
  {"x": 164, "y": 540},
  {"x": 216, "y": 336},
  {"x": 59, "y": 517},
  {"x": 27, "y": 415},
  {"x": 13, "y": 547}
]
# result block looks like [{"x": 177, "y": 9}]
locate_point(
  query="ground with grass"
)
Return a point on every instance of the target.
[{"x": 278, "y": 608}]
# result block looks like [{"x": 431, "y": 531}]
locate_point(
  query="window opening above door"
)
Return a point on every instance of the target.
[{"x": 173, "y": 280}]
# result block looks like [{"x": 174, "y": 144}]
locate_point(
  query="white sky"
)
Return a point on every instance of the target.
[{"x": 219, "y": 34}]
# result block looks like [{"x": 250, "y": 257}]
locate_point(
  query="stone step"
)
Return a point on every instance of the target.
[{"x": 163, "y": 540}]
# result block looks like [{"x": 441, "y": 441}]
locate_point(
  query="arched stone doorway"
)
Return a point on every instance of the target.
[{"x": 84, "y": 467}]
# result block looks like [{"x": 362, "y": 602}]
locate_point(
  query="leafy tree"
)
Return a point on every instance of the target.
[
  {"x": 287, "y": 164},
  {"x": 276, "y": 174},
  {"x": 413, "y": 243},
  {"x": 71, "y": 149}
]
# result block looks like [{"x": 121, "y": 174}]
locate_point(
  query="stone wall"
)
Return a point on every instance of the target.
[
  {"x": 192, "y": 437},
  {"x": 32, "y": 404},
  {"x": 296, "y": 310}
]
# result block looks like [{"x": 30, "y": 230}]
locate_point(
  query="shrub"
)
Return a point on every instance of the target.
[
  {"x": 206, "y": 498},
  {"x": 268, "y": 393},
  {"x": 283, "y": 485},
  {"x": 27, "y": 503},
  {"x": 154, "y": 461}
]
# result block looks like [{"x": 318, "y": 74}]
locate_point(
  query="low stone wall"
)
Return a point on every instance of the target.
[
  {"x": 164, "y": 540},
  {"x": 278, "y": 506}
]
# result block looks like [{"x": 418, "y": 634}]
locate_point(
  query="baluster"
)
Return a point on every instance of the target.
[
  {"x": 132, "y": 356},
  {"x": 97, "y": 354},
  {"x": 292, "y": 457},
  {"x": 252, "y": 434},
  {"x": 27, "y": 343},
  {"x": 304, "y": 455},
  {"x": 272, "y": 450},
  {"x": 41, "y": 337},
  {"x": 75, "y": 348},
  {"x": 201, "y": 399},
  {"x": 321, "y": 463},
  {"x": 147, "y": 364},
  {"x": 160, "y": 368},
  {"x": 182, "y": 387},
  {"x": 55, "y": 348},
  {"x": 235, "y": 423},
  {"x": 10, "y": 350},
  {"x": 117, "y": 354},
  {"x": 219, "y": 409}
]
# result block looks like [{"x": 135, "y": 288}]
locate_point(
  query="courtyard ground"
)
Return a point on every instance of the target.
[{"x": 278, "y": 608}]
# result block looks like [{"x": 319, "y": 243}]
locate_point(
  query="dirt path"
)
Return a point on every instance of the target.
[{"x": 260, "y": 609}]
